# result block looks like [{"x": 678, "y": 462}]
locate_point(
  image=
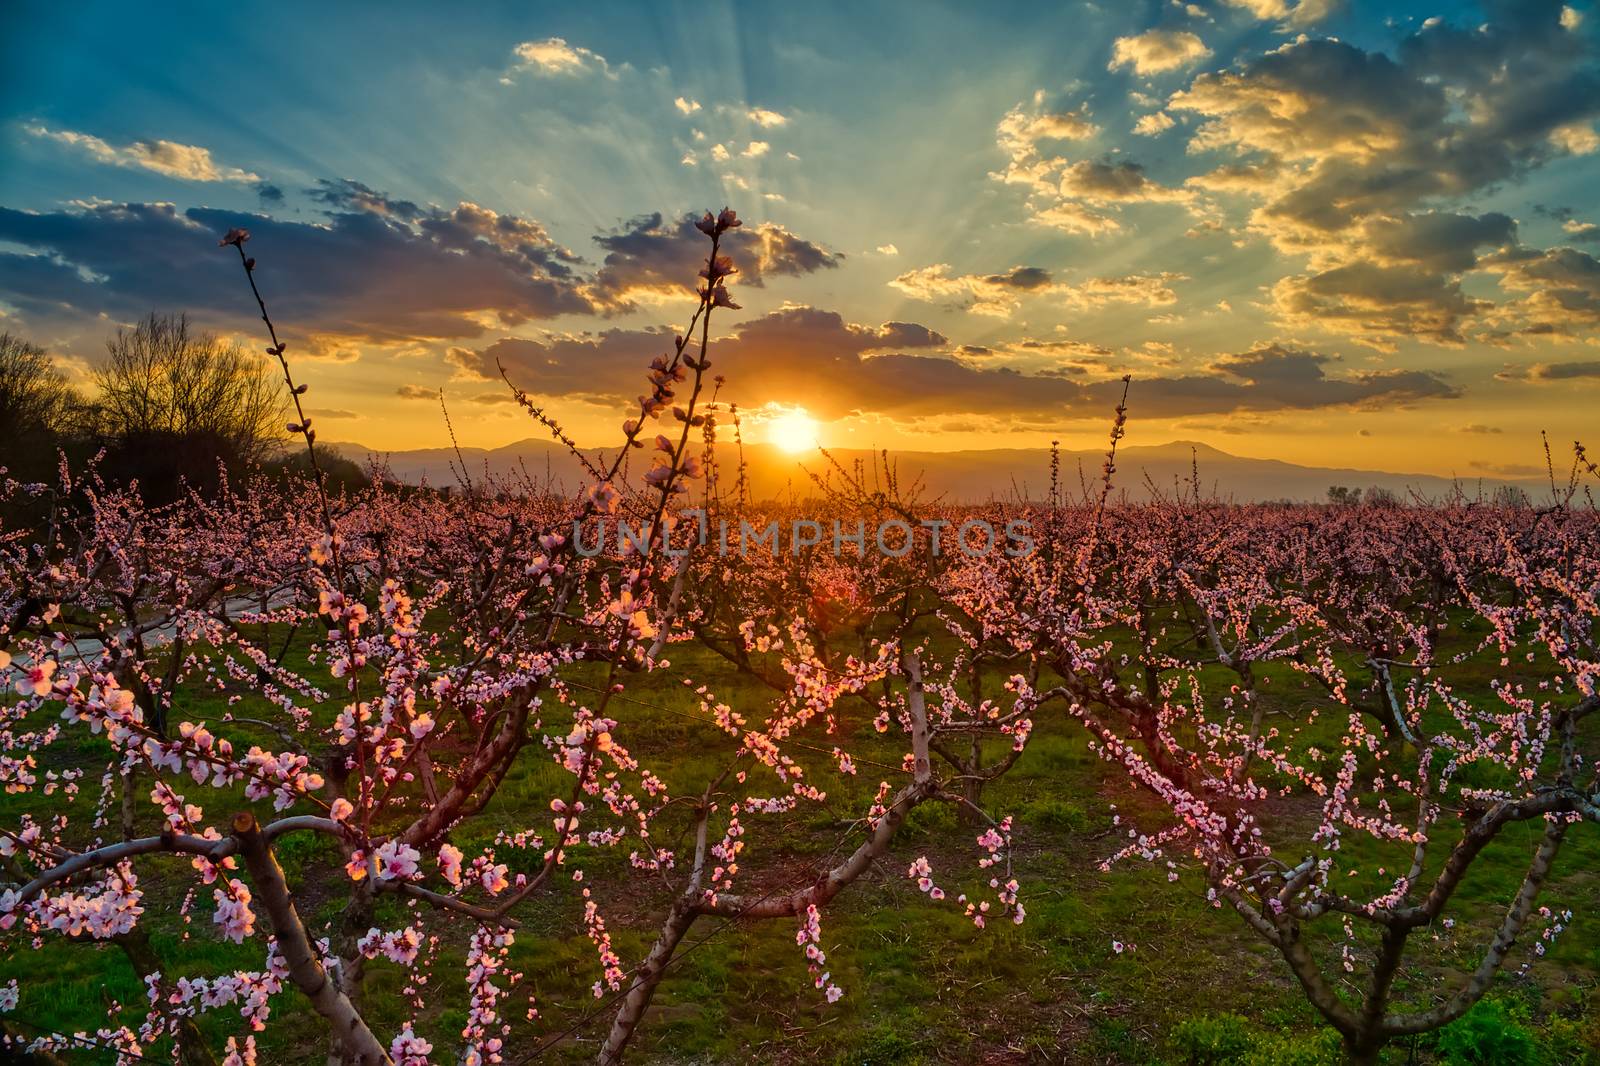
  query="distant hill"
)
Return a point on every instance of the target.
[{"x": 960, "y": 476}]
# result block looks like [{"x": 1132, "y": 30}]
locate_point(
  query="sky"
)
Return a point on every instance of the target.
[{"x": 1336, "y": 233}]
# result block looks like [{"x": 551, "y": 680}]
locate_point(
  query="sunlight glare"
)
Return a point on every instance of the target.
[{"x": 793, "y": 432}]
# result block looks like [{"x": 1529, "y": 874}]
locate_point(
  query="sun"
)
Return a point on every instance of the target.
[{"x": 793, "y": 432}]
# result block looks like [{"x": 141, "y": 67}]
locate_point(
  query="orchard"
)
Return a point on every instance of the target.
[{"x": 399, "y": 775}]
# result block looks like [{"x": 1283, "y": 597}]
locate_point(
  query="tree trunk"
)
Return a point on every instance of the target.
[
  {"x": 1363, "y": 1052},
  {"x": 272, "y": 893},
  {"x": 644, "y": 984},
  {"x": 354, "y": 921},
  {"x": 972, "y": 787}
]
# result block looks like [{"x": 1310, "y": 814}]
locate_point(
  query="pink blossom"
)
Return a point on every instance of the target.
[
  {"x": 233, "y": 915},
  {"x": 450, "y": 863},
  {"x": 35, "y": 679},
  {"x": 408, "y": 1049},
  {"x": 397, "y": 861}
]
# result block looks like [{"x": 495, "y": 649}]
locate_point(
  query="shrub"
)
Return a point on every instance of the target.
[
  {"x": 1213, "y": 1039},
  {"x": 1487, "y": 1035}
]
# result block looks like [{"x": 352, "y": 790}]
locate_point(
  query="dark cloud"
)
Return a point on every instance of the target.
[
  {"x": 1566, "y": 371},
  {"x": 345, "y": 194},
  {"x": 814, "y": 357},
  {"x": 788, "y": 350},
  {"x": 1369, "y": 133},
  {"x": 375, "y": 267},
  {"x": 650, "y": 254},
  {"x": 1559, "y": 287},
  {"x": 1291, "y": 377},
  {"x": 1440, "y": 241},
  {"x": 1025, "y": 278},
  {"x": 1352, "y": 153},
  {"x": 909, "y": 335},
  {"x": 1124, "y": 181},
  {"x": 466, "y": 227},
  {"x": 1377, "y": 301},
  {"x": 360, "y": 273},
  {"x": 416, "y": 392},
  {"x": 1551, "y": 371}
]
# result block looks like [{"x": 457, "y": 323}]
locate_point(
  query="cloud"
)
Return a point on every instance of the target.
[
  {"x": 688, "y": 107},
  {"x": 1356, "y": 157},
  {"x": 1080, "y": 197},
  {"x": 1292, "y": 376},
  {"x": 1559, "y": 291},
  {"x": 1239, "y": 177},
  {"x": 784, "y": 353},
  {"x": 764, "y": 118},
  {"x": 998, "y": 295},
  {"x": 373, "y": 268},
  {"x": 1121, "y": 182},
  {"x": 348, "y": 195},
  {"x": 416, "y": 392},
  {"x": 1395, "y": 277},
  {"x": 186, "y": 162},
  {"x": 1022, "y": 129},
  {"x": 1147, "y": 290},
  {"x": 1362, "y": 133},
  {"x": 1478, "y": 428},
  {"x": 1073, "y": 217},
  {"x": 1582, "y": 232},
  {"x": 1153, "y": 124},
  {"x": 1439, "y": 241},
  {"x": 554, "y": 56},
  {"x": 1060, "y": 346},
  {"x": 1552, "y": 371},
  {"x": 1576, "y": 138},
  {"x": 981, "y": 294},
  {"x": 1155, "y": 51},
  {"x": 841, "y": 369},
  {"x": 756, "y": 149},
  {"x": 1377, "y": 303},
  {"x": 650, "y": 258},
  {"x": 1292, "y": 15}
]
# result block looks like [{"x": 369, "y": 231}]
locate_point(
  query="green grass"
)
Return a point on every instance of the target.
[{"x": 922, "y": 984}]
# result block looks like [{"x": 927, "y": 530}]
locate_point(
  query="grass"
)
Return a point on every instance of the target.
[{"x": 922, "y": 984}]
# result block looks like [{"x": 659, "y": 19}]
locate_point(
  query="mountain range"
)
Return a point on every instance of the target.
[{"x": 970, "y": 476}]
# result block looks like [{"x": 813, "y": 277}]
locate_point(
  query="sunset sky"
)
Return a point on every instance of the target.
[{"x": 1348, "y": 234}]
